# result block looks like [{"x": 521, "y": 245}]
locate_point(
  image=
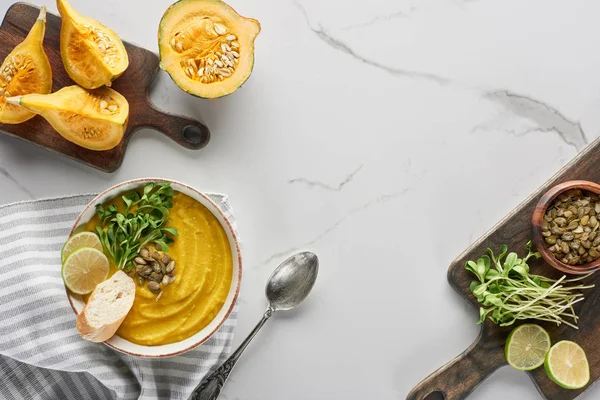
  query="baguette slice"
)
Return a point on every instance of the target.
[{"x": 107, "y": 307}]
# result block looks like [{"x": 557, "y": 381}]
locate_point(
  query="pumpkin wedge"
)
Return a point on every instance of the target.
[
  {"x": 25, "y": 70},
  {"x": 93, "y": 54},
  {"x": 207, "y": 47},
  {"x": 95, "y": 119}
]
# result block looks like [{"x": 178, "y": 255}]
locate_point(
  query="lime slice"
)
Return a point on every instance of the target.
[
  {"x": 79, "y": 241},
  {"x": 84, "y": 269},
  {"x": 567, "y": 365},
  {"x": 526, "y": 347}
]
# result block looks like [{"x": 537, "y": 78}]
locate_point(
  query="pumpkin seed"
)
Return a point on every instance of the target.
[
  {"x": 568, "y": 236},
  {"x": 170, "y": 267},
  {"x": 567, "y": 214},
  {"x": 560, "y": 221},
  {"x": 154, "y": 287},
  {"x": 139, "y": 260},
  {"x": 572, "y": 225},
  {"x": 156, "y": 267},
  {"x": 220, "y": 29},
  {"x": 144, "y": 252},
  {"x": 156, "y": 277},
  {"x": 159, "y": 295}
]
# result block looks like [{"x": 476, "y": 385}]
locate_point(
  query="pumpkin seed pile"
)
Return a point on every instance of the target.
[
  {"x": 218, "y": 56},
  {"x": 570, "y": 227},
  {"x": 107, "y": 105},
  {"x": 17, "y": 65},
  {"x": 104, "y": 44},
  {"x": 157, "y": 269}
]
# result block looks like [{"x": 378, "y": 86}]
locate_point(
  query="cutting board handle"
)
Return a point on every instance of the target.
[
  {"x": 189, "y": 133},
  {"x": 457, "y": 379}
]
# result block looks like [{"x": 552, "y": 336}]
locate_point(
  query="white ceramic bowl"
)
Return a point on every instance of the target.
[{"x": 172, "y": 349}]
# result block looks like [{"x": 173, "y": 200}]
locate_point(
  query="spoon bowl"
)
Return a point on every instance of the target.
[{"x": 292, "y": 281}]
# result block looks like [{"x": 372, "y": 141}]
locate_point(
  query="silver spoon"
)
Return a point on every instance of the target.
[{"x": 287, "y": 287}]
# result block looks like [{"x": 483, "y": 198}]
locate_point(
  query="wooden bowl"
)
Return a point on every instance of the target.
[{"x": 538, "y": 216}]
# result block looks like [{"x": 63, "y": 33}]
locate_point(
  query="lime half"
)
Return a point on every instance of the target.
[
  {"x": 526, "y": 347},
  {"x": 79, "y": 241},
  {"x": 567, "y": 365},
  {"x": 84, "y": 269}
]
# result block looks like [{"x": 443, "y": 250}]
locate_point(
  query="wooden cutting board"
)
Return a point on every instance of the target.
[
  {"x": 460, "y": 376},
  {"x": 134, "y": 84}
]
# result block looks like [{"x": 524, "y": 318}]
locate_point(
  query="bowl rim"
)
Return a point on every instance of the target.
[
  {"x": 537, "y": 219},
  {"x": 92, "y": 203}
]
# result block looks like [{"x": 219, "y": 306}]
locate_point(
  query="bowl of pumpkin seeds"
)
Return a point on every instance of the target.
[{"x": 566, "y": 227}]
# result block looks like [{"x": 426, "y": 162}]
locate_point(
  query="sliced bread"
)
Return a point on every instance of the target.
[{"x": 106, "y": 308}]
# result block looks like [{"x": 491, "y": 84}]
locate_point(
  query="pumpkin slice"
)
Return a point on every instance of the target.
[
  {"x": 207, "y": 47},
  {"x": 25, "y": 70},
  {"x": 93, "y": 55},
  {"x": 94, "y": 119}
]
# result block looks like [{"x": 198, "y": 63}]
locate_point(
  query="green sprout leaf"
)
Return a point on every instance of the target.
[
  {"x": 509, "y": 292},
  {"x": 123, "y": 234}
]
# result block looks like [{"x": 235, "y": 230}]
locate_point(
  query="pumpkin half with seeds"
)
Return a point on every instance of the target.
[
  {"x": 93, "y": 54},
  {"x": 207, "y": 47},
  {"x": 94, "y": 119},
  {"x": 25, "y": 70}
]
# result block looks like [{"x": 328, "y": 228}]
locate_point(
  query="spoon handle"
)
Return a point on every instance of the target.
[{"x": 210, "y": 387}]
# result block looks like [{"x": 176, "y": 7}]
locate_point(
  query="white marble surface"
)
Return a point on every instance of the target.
[{"x": 386, "y": 136}]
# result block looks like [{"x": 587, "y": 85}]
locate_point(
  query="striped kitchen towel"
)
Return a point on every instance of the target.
[{"x": 41, "y": 353}]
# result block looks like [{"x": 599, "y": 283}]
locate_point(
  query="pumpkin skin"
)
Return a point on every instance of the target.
[
  {"x": 207, "y": 47},
  {"x": 25, "y": 70},
  {"x": 93, "y": 55},
  {"x": 94, "y": 119}
]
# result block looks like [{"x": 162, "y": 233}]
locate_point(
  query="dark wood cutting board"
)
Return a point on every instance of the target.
[
  {"x": 460, "y": 376},
  {"x": 134, "y": 84}
]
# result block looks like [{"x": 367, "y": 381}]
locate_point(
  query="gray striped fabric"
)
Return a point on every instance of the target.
[{"x": 41, "y": 353}]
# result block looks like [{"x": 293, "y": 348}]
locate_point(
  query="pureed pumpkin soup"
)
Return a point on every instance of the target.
[{"x": 203, "y": 276}]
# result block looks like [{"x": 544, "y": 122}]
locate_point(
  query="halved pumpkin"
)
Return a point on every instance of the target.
[
  {"x": 95, "y": 119},
  {"x": 93, "y": 54},
  {"x": 207, "y": 47},
  {"x": 25, "y": 70}
]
